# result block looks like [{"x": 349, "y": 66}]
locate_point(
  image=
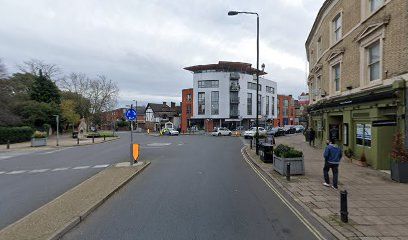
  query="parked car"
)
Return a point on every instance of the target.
[
  {"x": 299, "y": 128},
  {"x": 289, "y": 129},
  {"x": 276, "y": 131},
  {"x": 170, "y": 132},
  {"x": 251, "y": 132},
  {"x": 222, "y": 131}
]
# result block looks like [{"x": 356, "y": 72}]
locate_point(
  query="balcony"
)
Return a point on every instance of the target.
[
  {"x": 234, "y": 114},
  {"x": 234, "y": 100},
  {"x": 234, "y": 87},
  {"x": 234, "y": 76}
]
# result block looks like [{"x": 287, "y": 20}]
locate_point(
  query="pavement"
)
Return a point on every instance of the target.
[
  {"x": 30, "y": 179},
  {"x": 196, "y": 187},
  {"x": 378, "y": 206},
  {"x": 55, "y": 218}
]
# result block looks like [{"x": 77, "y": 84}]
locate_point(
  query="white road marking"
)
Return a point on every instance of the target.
[
  {"x": 101, "y": 166},
  {"x": 2, "y": 172},
  {"x": 17, "y": 172},
  {"x": 59, "y": 169},
  {"x": 158, "y": 144},
  {"x": 81, "y": 167},
  {"x": 39, "y": 170}
]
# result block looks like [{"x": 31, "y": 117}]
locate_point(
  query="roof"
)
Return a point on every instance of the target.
[
  {"x": 140, "y": 110},
  {"x": 160, "y": 109},
  {"x": 224, "y": 66},
  {"x": 322, "y": 10}
]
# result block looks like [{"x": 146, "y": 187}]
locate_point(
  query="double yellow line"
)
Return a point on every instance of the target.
[{"x": 312, "y": 229}]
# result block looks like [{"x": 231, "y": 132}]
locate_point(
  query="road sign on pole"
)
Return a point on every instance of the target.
[{"x": 131, "y": 114}]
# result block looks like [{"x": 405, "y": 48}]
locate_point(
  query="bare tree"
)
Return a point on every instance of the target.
[
  {"x": 33, "y": 66},
  {"x": 3, "y": 70}
]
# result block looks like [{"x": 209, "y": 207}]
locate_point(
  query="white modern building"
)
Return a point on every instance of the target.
[{"x": 225, "y": 95}]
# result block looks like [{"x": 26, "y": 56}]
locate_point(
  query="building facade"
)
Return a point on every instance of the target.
[
  {"x": 285, "y": 111},
  {"x": 157, "y": 115},
  {"x": 225, "y": 95},
  {"x": 358, "y": 61},
  {"x": 186, "y": 109}
]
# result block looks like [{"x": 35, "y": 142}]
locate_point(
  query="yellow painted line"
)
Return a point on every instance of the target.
[{"x": 312, "y": 229}]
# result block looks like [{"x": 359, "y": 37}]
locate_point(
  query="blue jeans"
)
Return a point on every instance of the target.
[{"x": 335, "y": 171}]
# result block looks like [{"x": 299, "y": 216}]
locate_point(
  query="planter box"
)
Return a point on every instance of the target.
[
  {"x": 38, "y": 142},
  {"x": 296, "y": 165},
  {"x": 399, "y": 171}
]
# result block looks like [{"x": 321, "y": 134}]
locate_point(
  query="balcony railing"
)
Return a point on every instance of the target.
[{"x": 235, "y": 87}]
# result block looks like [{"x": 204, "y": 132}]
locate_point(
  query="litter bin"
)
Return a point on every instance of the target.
[
  {"x": 266, "y": 153},
  {"x": 74, "y": 134}
]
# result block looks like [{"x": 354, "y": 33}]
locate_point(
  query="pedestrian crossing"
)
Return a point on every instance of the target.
[{"x": 45, "y": 170}]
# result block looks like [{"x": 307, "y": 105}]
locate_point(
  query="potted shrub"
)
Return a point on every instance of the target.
[
  {"x": 39, "y": 139},
  {"x": 399, "y": 162},
  {"x": 283, "y": 155},
  {"x": 349, "y": 154}
]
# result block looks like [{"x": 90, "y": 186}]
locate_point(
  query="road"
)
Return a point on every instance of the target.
[
  {"x": 29, "y": 180},
  {"x": 197, "y": 187}
]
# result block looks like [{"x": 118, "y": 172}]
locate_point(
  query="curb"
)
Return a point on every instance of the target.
[
  {"x": 61, "y": 232},
  {"x": 281, "y": 187}
]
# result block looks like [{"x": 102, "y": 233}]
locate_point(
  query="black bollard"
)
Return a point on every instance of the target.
[
  {"x": 343, "y": 206},
  {"x": 104, "y": 138},
  {"x": 78, "y": 140},
  {"x": 288, "y": 171},
  {"x": 93, "y": 139},
  {"x": 251, "y": 143},
  {"x": 8, "y": 144}
]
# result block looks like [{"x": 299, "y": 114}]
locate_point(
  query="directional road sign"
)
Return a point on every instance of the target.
[{"x": 131, "y": 114}]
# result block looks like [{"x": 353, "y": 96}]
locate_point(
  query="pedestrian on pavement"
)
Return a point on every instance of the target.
[
  {"x": 312, "y": 136},
  {"x": 332, "y": 156}
]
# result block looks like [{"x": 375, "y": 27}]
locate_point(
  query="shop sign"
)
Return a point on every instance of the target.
[{"x": 383, "y": 123}]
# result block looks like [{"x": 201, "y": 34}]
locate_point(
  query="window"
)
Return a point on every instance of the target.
[
  {"x": 188, "y": 109},
  {"x": 249, "y": 104},
  {"x": 375, "y": 4},
  {"x": 259, "y": 104},
  {"x": 336, "y": 77},
  {"x": 316, "y": 89},
  {"x": 215, "y": 98},
  {"x": 270, "y": 89},
  {"x": 201, "y": 103},
  {"x": 208, "y": 84},
  {"x": 285, "y": 102},
  {"x": 252, "y": 86},
  {"x": 273, "y": 105},
  {"x": 337, "y": 28},
  {"x": 267, "y": 106},
  {"x": 374, "y": 61},
  {"x": 363, "y": 134},
  {"x": 188, "y": 97},
  {"x": 319, "y": 47}
]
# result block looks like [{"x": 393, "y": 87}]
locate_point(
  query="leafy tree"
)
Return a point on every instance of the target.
[
  {"x": 82, "y": 105},
  {"x": 45, "y": 90},
  {"x": 37, "y": 114},
  {"x": 68, "y": 113}
]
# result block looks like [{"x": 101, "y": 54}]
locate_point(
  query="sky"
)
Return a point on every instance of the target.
[{"x": 144, "y": 45}]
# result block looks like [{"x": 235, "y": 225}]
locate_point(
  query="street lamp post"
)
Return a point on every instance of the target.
[
  {"x": 233, "y": 13},
  {"x": 57, "y": 119}
]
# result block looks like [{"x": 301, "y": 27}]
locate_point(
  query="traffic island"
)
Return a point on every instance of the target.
[{"x": 57, "y": 217}]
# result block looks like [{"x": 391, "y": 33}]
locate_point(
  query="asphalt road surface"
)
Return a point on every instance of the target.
[
  {"x": 32, "y": 179},
  {"x": 197, "y": 187}
]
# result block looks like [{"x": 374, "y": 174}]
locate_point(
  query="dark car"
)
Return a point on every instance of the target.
[
  {"x": 276, "y": 132},
  {"x": 289, "y": 130}
]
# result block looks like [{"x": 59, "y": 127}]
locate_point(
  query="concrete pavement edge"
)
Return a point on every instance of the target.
[{"x": 304, "y": 208}]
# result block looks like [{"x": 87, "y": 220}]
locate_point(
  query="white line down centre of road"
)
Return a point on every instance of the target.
[
  {"x": 101, "y": 166},
  {"x": 81, "y": 167},
  {"x": 39, "y": 170}
]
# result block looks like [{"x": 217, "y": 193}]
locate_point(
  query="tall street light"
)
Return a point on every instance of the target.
[{"x": 233, "y": 13}]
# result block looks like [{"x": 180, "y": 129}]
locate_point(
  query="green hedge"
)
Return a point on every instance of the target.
[
  {"x": 287, "y": 152},
  {"x": 15, "y": 134}
]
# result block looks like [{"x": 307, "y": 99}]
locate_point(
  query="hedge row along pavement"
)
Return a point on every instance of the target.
[{"x": 15, "y": 134}]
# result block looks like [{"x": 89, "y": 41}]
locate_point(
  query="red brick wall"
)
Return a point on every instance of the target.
[
  {"x": 280, "y": 120},
  {"x": 186, "y": 104}
]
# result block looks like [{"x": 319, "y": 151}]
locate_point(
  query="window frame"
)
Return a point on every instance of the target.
[
  {"x": 201, "y": 102},
  {"x": 249, "y": 104},
  {"x": 376, "y": 36},
  {"x": 333, "y": 32},
  {"x": 335, "y": 83},
  {"x": 215, "y": 102}
]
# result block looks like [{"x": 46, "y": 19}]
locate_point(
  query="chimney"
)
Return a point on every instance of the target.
[
  {"x": 173, "y": 105},
  {"x": 164, "y": 103}
]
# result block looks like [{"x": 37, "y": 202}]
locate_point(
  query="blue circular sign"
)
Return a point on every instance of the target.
[{"x": 131, "y": 114}]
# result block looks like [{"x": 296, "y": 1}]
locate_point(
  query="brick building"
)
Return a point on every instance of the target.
[
  {"x": 286, "y": 111},
  {"x": 186, "y": 109},
  {"x": 358, "y": 61}
]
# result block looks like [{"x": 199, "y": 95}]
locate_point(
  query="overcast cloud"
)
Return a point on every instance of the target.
[{"x": 144, "y": 45}]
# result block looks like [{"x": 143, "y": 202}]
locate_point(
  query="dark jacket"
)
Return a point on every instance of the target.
[{"x": 332, "y": 154}]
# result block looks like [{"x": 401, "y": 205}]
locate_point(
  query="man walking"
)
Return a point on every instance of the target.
[
  {"x": 332, "y": 156},
  {"x": 312, "y": 136}
]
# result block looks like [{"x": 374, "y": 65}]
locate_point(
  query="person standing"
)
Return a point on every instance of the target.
[
  {"x": 312, "y": 136},
  {"x": 332, "y": 156}
]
